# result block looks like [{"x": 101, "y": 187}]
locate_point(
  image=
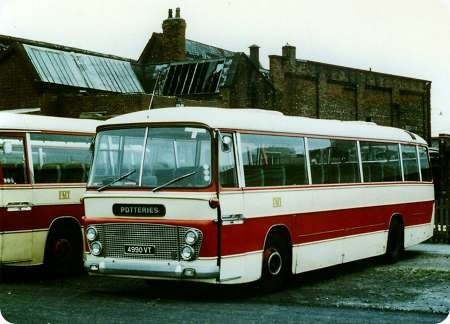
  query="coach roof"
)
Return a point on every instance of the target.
[
  {"x": 267, "y": 121},
  {"x": 14, "y": 122}
]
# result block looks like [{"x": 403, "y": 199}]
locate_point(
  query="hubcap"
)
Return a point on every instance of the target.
[
  {"x": 63, "y": 249},
  {"x": 274, "y": 263}
]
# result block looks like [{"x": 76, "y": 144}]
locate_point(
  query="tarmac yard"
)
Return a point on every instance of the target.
[{"x": 416, "y": 289}]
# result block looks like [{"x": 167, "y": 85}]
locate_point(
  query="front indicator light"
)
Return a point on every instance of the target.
[
  {"x": 187, "y": 253},
  {"x": 96, "y": 248},
  {"x": 91, "y": 233},
  {"x": 191, "y": 237}
]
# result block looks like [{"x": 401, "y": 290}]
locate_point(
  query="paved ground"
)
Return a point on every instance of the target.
[{"x": 414, "y": 290}]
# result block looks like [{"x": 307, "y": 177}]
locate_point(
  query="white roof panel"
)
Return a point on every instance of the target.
[
  {"x": 267, "y": 121},
  {"x": 21, "y": 122}
]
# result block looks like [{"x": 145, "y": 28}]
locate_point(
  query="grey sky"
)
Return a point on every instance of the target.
[{"x": 405, "y": 37}]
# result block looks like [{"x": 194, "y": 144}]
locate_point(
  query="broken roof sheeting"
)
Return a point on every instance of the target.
[
  {"x": 191, "y": 77},
  {"x": 83, "y": 70},
  {"x": 198, "y": 50}
]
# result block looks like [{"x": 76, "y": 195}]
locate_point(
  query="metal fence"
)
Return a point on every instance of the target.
[{"x": 442, "y": 221}]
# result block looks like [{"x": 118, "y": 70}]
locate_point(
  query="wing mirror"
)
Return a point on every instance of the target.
[{"x": 227, "y": 142}]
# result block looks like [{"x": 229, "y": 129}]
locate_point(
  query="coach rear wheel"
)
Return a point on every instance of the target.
[
  {"x": 276, "y": 266},
  {"x": 395, "y": 243},
  {"x": 63, "y": 252}
]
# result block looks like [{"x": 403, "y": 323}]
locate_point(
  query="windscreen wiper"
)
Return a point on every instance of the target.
[
  {"x": 123, "y": 176},
  {"x": 174, "y": 180}
]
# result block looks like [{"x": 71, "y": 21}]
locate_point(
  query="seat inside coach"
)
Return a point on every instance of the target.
[
  {"x": 13, "y": 173},
  {"x": 274, "y": 175},
  {"x": 74, "y": 172},
  {"x": 48, "y": 173},
  {"x": 346, "y": 172}
]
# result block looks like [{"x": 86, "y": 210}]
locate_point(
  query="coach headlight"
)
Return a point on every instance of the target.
[
  {"x": 91, "y": 233},
  {"x": 96, "y": 248},
  {"x": 191, "y": 237},
  {"x": 187, "y": 253}
]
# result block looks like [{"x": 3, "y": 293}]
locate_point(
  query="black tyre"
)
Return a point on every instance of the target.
[
  {"x": 277, "y": 262},
  {"x": 63, "y": 252},
  {"x": 395, "y": 243}
]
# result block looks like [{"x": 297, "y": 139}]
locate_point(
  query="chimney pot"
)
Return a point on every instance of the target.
[
  {"x": 289, "y": 52},
  {"x": 174, "y": 38},
  {"x": 254, "y": 54}
]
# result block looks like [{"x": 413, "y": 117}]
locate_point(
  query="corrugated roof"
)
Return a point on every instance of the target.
[
  {"x": 198, "y": 50},
  {"x": 83, "y": 70}
]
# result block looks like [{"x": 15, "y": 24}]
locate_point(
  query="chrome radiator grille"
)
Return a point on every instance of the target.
[{"x": 166, "y": 239}]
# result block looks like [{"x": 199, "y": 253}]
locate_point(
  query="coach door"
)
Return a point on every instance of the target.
[
  {"x": 16, "y": 223},
  {"x": 232, "y": 236}
]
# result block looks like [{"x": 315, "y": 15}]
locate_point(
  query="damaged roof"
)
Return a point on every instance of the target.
[
  {"x": 192, "y": 77},
  {"x": 197, "y": 50},
  {"x": 83, "y": 70}
]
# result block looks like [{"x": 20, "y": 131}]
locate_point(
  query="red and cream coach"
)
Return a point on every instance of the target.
[
  {"x": 233, "y": 195},
  {"x": 44, "y": 165}
]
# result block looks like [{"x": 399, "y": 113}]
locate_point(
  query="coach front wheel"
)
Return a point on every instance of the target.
[{"x": 276, "y": 267}]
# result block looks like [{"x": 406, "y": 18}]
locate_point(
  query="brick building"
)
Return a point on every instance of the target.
[
  {"x": 172, "y": 65},
  {"x": 65, "y": 81},
  {"x": 320, "y": 90}
]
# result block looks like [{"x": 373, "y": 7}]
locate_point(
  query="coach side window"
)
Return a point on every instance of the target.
[
  {"x": 270, "y": 160},
  {"x": 227, "y": 163},
  {"x": 424, "y": 164},
  {"x": 410, "y": 163},
  {"x": 381, "y": 162},
  {"x": 12, "y": 160},
  {"x": 333, "y": 161},
  {"x": 59, "y": 158}
]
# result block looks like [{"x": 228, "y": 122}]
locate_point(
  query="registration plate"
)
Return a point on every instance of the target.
[{"x": 139, "y": 249}]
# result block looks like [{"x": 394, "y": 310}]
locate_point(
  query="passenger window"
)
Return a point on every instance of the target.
[
  {"x": 273, "y": 160},
  {"x": 333, "y": 161},
  {"x": 60, "y": 158},
  {"x": 410, "y": 163},
  {"x": 12, "y": 161},
  {"x": 424, "y": 164},
  {"x": 227, "y": 163},
  {"x": 380, "y": 161}
]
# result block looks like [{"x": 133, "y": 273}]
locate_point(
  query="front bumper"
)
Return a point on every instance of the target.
[{"x": 199, "y": 269}]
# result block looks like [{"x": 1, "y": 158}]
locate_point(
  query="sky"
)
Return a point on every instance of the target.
[{"x": 403, "y": 37}]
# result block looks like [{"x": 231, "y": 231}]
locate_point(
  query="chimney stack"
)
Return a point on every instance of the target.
[
  {"x": 254, "y": 54},
  {"x": 174, "y": 37},
  {"x": 289, "y": 53}
]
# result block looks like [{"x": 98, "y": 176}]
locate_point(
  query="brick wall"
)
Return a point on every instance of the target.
[
  {"x": 17, "y": 89},
  {"x": 70, "y": 105},
  {"x": 249, "y": 89},
  {"x": 314, "y": 89}
]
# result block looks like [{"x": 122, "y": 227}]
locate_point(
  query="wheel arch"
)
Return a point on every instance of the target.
[
  {"x": 396, "y": 217},
  {"x": 61, "y": 221},
  {"x": 280, "y": 229},
  {"x": 63, "y": 224}
]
